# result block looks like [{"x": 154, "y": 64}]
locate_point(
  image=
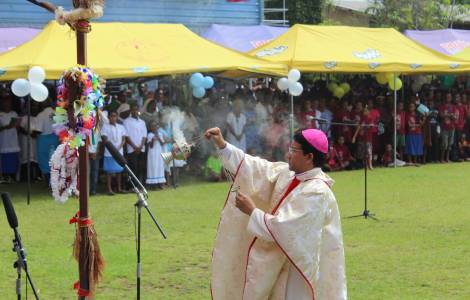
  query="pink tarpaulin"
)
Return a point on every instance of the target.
[
  {"x": 242, "y": 38},
  {"x": 13, "y": 37},
  {"x": 446, "y": 41}
]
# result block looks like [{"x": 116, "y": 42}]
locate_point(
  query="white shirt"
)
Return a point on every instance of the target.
[
  {"x": 44, "y": 121},
  {"x": 114, "y": 134},
  {"x": 136, "y": 131},
  {"x": 325, "y": 126},
  {"x": 8, "y": 137}
]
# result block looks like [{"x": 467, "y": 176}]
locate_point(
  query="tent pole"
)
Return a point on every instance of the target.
[
  {"x": 395, "y": 120},
  {"x": 291, "y": 118}
]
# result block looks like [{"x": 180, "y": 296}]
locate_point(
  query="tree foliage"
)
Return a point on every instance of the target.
[{"x": 419, "y": 15}]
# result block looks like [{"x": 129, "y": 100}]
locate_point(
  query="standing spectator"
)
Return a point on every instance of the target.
[
  {"x": 116, "y": 134},
  {"x": 47, "y": 141},
  {"x": 136, "y": 138},
  {"x": 251, "y": 130},
  {"x": 23, "y": 136},
  {"x": 149, "y": 111},
  {"x": 9, "y": 145},
  {"x": 414, "y": 137},
  {"x": 374, "y": 115},
  {"x": 364, "y": 136},
  {"x": 343, "y": 115},
  {"x": 327, "y": 115},
  {"x": 155, "y": 163},
  {"x": 236, "y": 122},
  {"x": 124, "y": 108},
  {"x": 400, "y": 120},
  {"x": 94, "y": 159},
  {"x": 461, "y": 115},
  {"x": 447, "y": 112}
]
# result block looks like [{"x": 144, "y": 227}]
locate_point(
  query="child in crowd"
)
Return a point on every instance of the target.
[
  {"x": 340, "y": 158},
  {"x": 364, "y": 135},
  {"x": 387, "y": 158},
  {"x": 213, "y": 168},
  {"x": 155, "y": 163},
  {"x": 464, "y": 147},
  {"x": 116, "y": 134}
]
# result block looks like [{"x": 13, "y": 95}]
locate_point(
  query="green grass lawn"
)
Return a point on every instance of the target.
[{"x": 420, "y": 248}]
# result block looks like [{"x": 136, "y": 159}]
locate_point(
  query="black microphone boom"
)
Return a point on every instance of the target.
[
  {"x": 123, "y": 163},
  {"x": 9, "y": 210}
]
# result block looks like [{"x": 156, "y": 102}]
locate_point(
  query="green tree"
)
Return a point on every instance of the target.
[
  {"x": 420, "y": 15},
  {"x": 299, "y": 11}
]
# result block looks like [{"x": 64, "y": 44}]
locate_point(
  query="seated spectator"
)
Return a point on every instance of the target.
[
  {"x": 464, "y": 147},
  {"x": 340, "y": 158},
  {"x": 213, "y": 168},
  {"x": 387, "y": 158}
]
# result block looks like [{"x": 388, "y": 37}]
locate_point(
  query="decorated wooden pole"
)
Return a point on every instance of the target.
[{"x": 76, "y": 116}]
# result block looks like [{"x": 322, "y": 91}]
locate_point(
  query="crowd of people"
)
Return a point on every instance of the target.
[{"x": 432, "y": 125}]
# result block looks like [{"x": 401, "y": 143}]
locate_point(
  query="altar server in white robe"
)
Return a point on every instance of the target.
[{"x": 279, "y": 235}]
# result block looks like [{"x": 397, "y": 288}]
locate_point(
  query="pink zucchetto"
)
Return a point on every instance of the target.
[{"x": 317, "y": 139}]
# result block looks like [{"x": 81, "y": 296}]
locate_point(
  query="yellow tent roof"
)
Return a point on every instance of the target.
[
  {"x": 326, "y": 49},
  {"x": 119, "y": 50},
  {"x": 464, "y": 54}
]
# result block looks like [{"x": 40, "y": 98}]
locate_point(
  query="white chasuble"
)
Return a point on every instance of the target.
[{"x": 290, "y": 248}]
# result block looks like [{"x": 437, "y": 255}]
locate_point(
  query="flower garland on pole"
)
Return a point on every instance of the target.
[{"x": 74, "y": 122}]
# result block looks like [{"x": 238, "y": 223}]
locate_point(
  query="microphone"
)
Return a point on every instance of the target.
[
  {"x": 9, "y": 210},
  {"x": 123, "y": 163}
]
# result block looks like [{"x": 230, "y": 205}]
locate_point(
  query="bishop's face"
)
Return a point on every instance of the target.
[{"x": 298, "y": 161}]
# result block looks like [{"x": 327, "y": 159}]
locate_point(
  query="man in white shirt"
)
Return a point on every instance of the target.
[
  {"x": 326, "y": 115},
  {"x": 236, "y": 122},
  {"x": 9, "y": 145},
  {"x": 116, "y": 134},
  {"x": 47, "y": 141},
  {"x": 279, "y": 235},
  {"x": 136, "y": 139}
]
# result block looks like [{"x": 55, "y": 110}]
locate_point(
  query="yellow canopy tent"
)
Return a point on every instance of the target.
[
  {"x": 127, "y": 50},
  {"x": 332, "y": 49},
  {"x": 464, "y": 54}
]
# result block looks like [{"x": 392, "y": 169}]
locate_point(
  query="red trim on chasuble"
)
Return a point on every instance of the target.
[
  {"x": 226, "y": 199},
  {"x": 294, "y": 183},
  {"x": 282, "y": 249}
]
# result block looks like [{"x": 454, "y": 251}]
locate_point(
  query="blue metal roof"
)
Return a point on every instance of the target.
[{"x": 196, "y": 14}]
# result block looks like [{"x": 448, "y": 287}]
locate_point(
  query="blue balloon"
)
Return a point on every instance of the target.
[
  {"x": 208, "y": 82},
  {"x": 199, "y": 92},
  {"x": 197, "y": 80}
]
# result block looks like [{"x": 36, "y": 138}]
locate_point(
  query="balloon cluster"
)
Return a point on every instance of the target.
[
  {"x": 291, "y": 82},
  {"x": 339, "y": 90},
  {"x": 200, "y": 83},
  {"x": 384, "y": 78},
  {"x": 74, "y": 128},
  {"x": 22, "y": 87}
]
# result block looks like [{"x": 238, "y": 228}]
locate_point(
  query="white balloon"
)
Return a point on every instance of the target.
[
  {"x": 20, "y": 87},
  {"x": 294, "y": 75},
  {"x": 291, "y": 84},
  {"x": 283, "y": 84},
  {"x": 39, "y": 92},
  {"x": 297, "y": 89},
  {"x": 36, "y": 75}
]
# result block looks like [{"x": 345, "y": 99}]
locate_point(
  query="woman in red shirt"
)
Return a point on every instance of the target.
[{"x": 414, "y": 136}]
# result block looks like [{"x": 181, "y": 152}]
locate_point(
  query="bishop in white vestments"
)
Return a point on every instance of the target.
[{"x": 279, "y": 235}]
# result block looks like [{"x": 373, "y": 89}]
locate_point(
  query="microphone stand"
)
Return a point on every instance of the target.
[
  {"x": 142, "y": 197},
  {"x": 20, "y": 264},
  {"x": 366, "y": 213}
]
